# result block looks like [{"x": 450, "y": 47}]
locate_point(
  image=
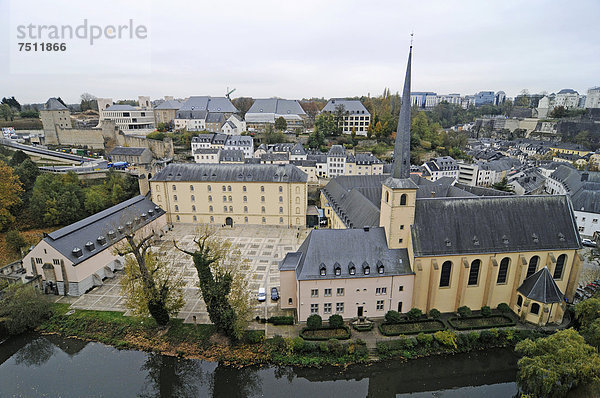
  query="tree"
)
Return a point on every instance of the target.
[
  {"x": 162, "y": 127},
  {"x": 314, "y": 321},
  {"x": 273, "y": 136},
  {"x": 316, "y": 139},
  {"x": 27, "y": 172},
  {"x": 12, "y": 102},
  {"x": 339, "y": 113},
  {"x": 29, "y": 114},
  {"x": 587, "y": 311},
  {"x": 17, "y": 158},
  {"x": 464, "y": 311},
  {"x": 591, "y": 333},
  {"x": 223, "y": 283},
  {"x": 280, "y": 124},
  {"x": 243, "y": 104},
  {"x": 15, "y": 241},
  {"x": 149, "y": 285},
  {"x": 553, "y": 365},
  {"x": 503, "y": 185},
  {"x": 22, "y": 307},
  {"x": 434, "y": 313},
  {"x": 336, "y": 321},
  {"x": 393, "y": 317},
  {"x": 7, "y": 112},
  {"x": 558, "y": 112},
  {"x": 326, "y": 124},
  {"x": 88, "y": 102},
  {"x": 96, "y": 199},
  {"x": 57, "y": 199},
  {"x": 10, "y": 191},
  {"x": 414, "y": 314}
]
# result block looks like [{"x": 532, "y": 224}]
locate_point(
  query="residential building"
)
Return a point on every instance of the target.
[
  {"x": 363, "y": 164},
  {"x": 132, "y": 155},
  {"x": 165, "y": 112},
  {"x": 298, "y": 152},
  {"x": 424, "y": 99},
  {"x": 54, "y": 116},
  {"x": 206, "y": 155},
  {"x": 439, "y": 167},
  {"x": 214, "y": 122},
  {"x": 567, "y": 98},
  {"x": 356, "y": 117},
  {"x": 234, "y": 125},
  {"x": 264, "y": 112},
  {"x": 231, "y": 194},
  {"x": 336, "y": 161},
  {"x": 78, "y": 257},
  {"x": 194, "y": 112},
  {"x": 459, "y": 249},
  {"x": 592, "y": 100},
  {"x": 244, "y": 143}
]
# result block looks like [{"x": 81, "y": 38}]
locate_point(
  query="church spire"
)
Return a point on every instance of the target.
[{"x": 401, "y": 166}]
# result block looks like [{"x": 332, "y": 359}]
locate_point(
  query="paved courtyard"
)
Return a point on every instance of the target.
[{"x": 263, "y": 246}]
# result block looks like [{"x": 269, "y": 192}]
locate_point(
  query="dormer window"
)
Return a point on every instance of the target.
[
  {"x": 367, "y": 270},
  {"x": 150, "y": 212},
  {"x": 322, "y": 270},
  {"x": 380, "y": 269},
  {"x": 505, "y": 239},
  {"x": 90, "y": 245},
  {"x": 337, "y": 269},
  {"x": 475, "y": 241},
  {"x": 351, "y": 268},
  {"x": 448, "y": 243},
  {"x": 77, "y": 252},
  {"x": 101, "y": 240},
  {"x": 535, "y": 238}
]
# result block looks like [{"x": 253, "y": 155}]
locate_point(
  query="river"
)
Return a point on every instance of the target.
[{"x": 51, "y": 366}]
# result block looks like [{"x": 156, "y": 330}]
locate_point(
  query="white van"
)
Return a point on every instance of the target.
[{"x": 262, "y": 294}]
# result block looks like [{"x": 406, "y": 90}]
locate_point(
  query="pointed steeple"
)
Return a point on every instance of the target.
[{"x": 401, "y": 166}]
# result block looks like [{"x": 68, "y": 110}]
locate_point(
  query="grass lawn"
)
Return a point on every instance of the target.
[
  {"x": 480, "y": 322},
  {"x": 429, "y": 325},
  {"x": 326, "y": 334}
]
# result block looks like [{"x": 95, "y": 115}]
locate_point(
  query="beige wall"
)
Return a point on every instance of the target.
[
  {"x": 547, "y": 313},
  {"x": 358, "y": 292},
  {"x": 396, "y": 218},
  {"x": 284, "y": 203},
  {"x": 288, "y": 289},
  {"x": 428, "y": 293},
  {"x": 352, "y": 169},
  {"x": 164, "y": 115},
  {"x": 51, "y": 121}
]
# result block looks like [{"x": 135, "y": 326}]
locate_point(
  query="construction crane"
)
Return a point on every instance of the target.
[{"x": 229, "y": 92}]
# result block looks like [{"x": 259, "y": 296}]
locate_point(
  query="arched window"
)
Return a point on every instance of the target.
[
  {"x": 519, "y": 301},
  {"x": 262, "y": 198},
  {"x": 212, "y": 219},
  {"x": 244, "y": 188},
  {"x": 245, "y": 198},
  {"x": 158, "y": 199},
  {"x": 191, "y": 187},
  {"x": 229, "y": 188},
  {"x": 281, "y": 199},
  {"x": 225, "y": 209},
  {"x": 175, "y": 198},
  {"x": 474, "y": 273},
  {"x": 193, "y": 198},
  {"x": 560, "y": 266},
  {"x": 210, "y": 198},
  {"x": 246, "y": 219},
  {"x": 280, "y": 220},
  {"x": 533, "y": 263},
  {"x": 387, "y": 196},
  {"x": 209, "y": 188},
  {"x": 297, "y": 210},
  {"x": 210, "y": 208},
  {"x": 262, "y": 188},
  {"x": 280, "y": 188},
  {"x": 195, "y": 218},
  {"x": 445, "y": 274},
  {"x": 230, "y": 198},
  {"x": 193, "y": 208},
  {"x": 403, "y": 199},
  {"x": 246, "y": 209},
  {"x": 224, "y": 198},
  {"x": 262, "y": 209},
  {"x": 224, "y": 189},
  {"x": 177, "y": 218},
  {"x": 174, "y": 187},
  {"x": 231, "y": 209},
  {"x": 297, "y": 200},
  {"x": 503, "y": 271},
  {"x": 281, "y": 209},
  {"x": 264, "y": 220},
  {"x": 176, "y": 208},
  {"x": 535, "y": 308},
  {"x": 297, "y": 189}
]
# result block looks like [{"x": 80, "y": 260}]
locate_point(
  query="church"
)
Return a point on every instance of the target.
[{"x": 399, "y": 242}]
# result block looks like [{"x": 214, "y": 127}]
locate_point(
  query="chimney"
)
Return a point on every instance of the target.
[{"x": 366, "y": 228}]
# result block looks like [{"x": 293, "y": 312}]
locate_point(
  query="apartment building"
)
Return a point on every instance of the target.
[
  {"x": 195, "y": 113},
  {"x": 244, "y": 143},
  {"x": 356, "y": 117}
]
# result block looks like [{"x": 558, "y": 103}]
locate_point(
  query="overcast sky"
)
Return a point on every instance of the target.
[{"x": 296, "y": 49}]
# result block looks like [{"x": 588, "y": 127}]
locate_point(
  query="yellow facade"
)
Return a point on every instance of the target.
[
  {"x": 580, "y": 152},
  {"x": 232, "y": 202}
]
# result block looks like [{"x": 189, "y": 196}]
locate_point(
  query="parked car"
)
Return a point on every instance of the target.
[
  {"x": 262, "y": 294},
  {"x": 274, "y": 294},
  {"x": 588, "y": 242}
]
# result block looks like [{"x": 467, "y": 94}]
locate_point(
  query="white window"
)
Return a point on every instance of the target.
[
  {"x": 314, "y": 292},
  {"x": 314, "y": 308},
  {"x": 340, "y": 291},
  {"x": 327, "y": 292},
  {"x": 339, "y": 308},
  {"x": 379, "y": 305},
  {"x": 327, "y": 308}
]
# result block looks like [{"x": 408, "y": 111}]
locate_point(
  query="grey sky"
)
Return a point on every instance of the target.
[{"x": 296, "y": 49}]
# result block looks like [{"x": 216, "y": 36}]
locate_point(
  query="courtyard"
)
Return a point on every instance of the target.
[{"x": 263, "y": 246}]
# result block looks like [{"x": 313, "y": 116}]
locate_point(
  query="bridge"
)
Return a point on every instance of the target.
[{"x": 43, "y": 153}]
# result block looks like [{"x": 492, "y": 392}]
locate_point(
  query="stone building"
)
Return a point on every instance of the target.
[
  {"x": 231, "y": 194},
  {"x": 54, "y": 116},
  {"x": 461, "y": 249}
]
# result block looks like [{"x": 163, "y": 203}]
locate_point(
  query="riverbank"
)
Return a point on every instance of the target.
[{"x": 202, "y": 342}]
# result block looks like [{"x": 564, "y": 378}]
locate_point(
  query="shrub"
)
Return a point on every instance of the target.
[
  {"x": 254, "y": 336},
  {"x": 393, "y": 317},
  {"x": 445, "y": 338},
  {"x": 424, "y": 339},
  {"x": 486, "y": 310},
  {"x": 297, "y": 344},
  {"x": 23, "y": 308},
  {"x": 323, "y": 347},
  {"x": 336, "y": 321},
  {"x": 15, "y": 241},
  {"x": 434, "y": 313},
  {"x": 486, "y": 337},
  {"x": 503, "y": 307},
  {"x": 314, "y": 322},
  {"x": 360, "y": 342},
  {"x": 277, "y": 344},
  {"x": 335, "y": 347},
  {"x": 281, "y": 320},
  {"x": 414, "y": 314},
  {"x": 464, "y": 311}
]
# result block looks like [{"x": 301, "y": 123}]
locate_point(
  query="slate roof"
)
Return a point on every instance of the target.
[
  {"x": 541, "y": 287},
  {"x": 231, "y": 172},
  {"x": 215, "y": 118},
  {"x": 101, "y": 224},
  {"x": 351, "y": 106},
  {"x": 128, "y": 151},
  {"x": 336, "y": 150},
  {"x": 450, "y": 226},
  {"x": 481, "y": 191},
  {"x": 231, "y": 155},
  {"x": 276, "y": 105},
  {"x": 169, "y": 104},
  {"x": 54, "y": 105},
  {"x": 206, "y": 151},
  {"x": 118, "y": 107},
  {"x": 584, "y": 188},
  {"x": 359, "y": 247},
  {"x": 268, "y": 157},
  {"x": 298, "y": 149},
  {"x": 197, "y": 107}
]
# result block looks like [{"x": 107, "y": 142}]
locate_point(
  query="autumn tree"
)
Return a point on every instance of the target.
[
  {"x": 22, "y": 307},
  {"x": 503, "y": 185},
  {"x": 280, "y": 124},
  {"x": 326, "y": 124},
  {"x": 553, "y": 365},
  {"x": 10, "y": 192},
  {"x": 222, "y": 281},
  {"x": 88, "y": 102},
  {"x": 149, "y": 285}
]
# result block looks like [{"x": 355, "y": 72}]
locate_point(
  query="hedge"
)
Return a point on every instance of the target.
[
  {"x": 346, "y": 336},
  {"x": 441, "y": 326},
  {"x": 455, "y": 322},
  {"x": 281, "y": 320},
  {"x": 363, "y": 327}
]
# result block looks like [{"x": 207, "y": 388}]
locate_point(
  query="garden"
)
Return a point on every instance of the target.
[{"x": 335, "y": 329}]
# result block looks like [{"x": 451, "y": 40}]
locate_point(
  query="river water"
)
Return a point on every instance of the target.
[{"x": 50, "y": 366}]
